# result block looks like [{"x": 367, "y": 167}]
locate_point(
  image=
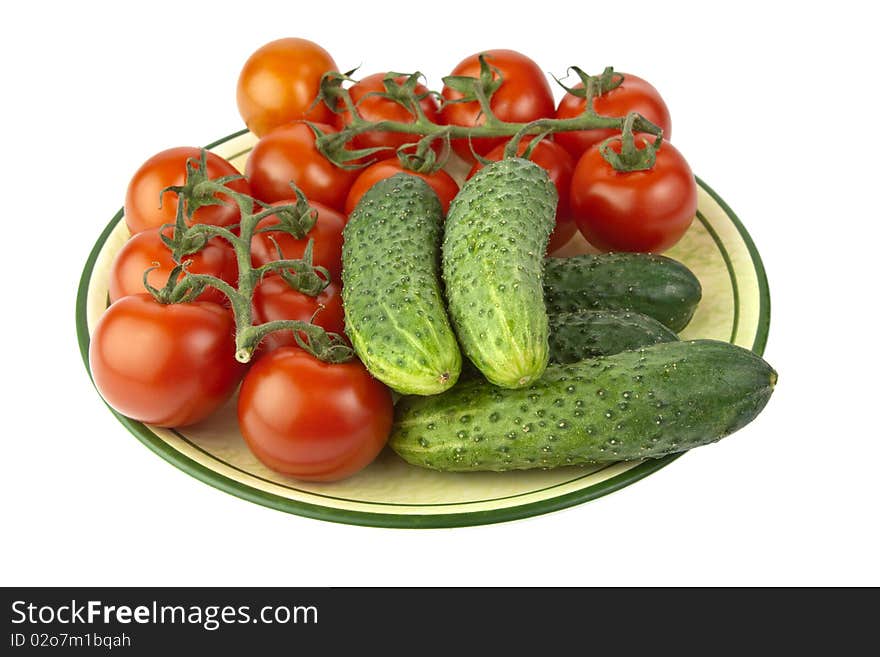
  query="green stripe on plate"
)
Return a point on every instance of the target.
[{"x": 729, "y": 264}]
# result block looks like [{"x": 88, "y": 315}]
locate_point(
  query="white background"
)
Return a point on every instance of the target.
[{"x": 774, "y": 105}]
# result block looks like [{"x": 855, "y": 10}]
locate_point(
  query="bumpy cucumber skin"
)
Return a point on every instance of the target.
[
  {"x": 394, "y": 311},
  {"x": 590, "y": 333},
  {"x": 653, "y": 285},
  {"x": 647, "y": 403},
  {"x": 493, "y": 259}
]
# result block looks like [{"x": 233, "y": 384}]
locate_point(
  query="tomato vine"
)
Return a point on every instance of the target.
[
  {"x": 423, "y": 155},
  {"x": 296, "y": 219}
]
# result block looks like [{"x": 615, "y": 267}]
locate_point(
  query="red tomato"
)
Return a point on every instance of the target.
[
  {"x": 168, "y": 365},
  {"x": 440, "y": 181},
  {"x": 275, "y": 299},
  {"x": 168, "y": 168},
  {"x": 326, "y": 233},
  {"x": 288, "y": 154},
  {"x": 146, "y": 249},
  {"x": 375, "y": 108},
  {"x": 313, "y": 420},
  {"x": 633, "y": 95},
  {"x": 523, "y": 96},
  {"x": 559, "y": 166},
  {"x": 280, "y": 81},
  {"x": 646, "y": 211}
]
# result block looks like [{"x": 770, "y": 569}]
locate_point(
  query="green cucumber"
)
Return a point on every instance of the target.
[
  {"x": 394, "y": 312},
  {"x": 653, "y": 285},
  {"x": 493, "y": 259},
  {"x": 591, "y": 333},
  {"x": 646, "y": 403}
]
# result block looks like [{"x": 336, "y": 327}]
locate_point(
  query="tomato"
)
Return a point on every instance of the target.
[
  {"x": 146, "y": 249},
  {"x": 559, "y": 166},
  {"x": 440, "y": 181},
  {"x": 523, "y": 96},
  {"x": 645, "y": 211},
  {"x": 275, "y": 299},
  {"x": 168, "y": 365},
  {"x": 375, "y": 108},
  {"x": 279, "y": 83},
  {"x": 313, "y": 420},
  {"x": 168, "y": 168},
  {"x": 633, "y": 95},
  {"x": 326, "y": 233},
  {"x": 288, "y": 154}
]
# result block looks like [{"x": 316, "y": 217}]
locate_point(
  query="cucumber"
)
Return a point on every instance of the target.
[
  {"x": 394, "y": 312},
  {"x": 493, "y": 259},
  {"x": 591, "y": 333},
  {"x": 647, "y": 403},
  {"x": 653, "y": 285}
]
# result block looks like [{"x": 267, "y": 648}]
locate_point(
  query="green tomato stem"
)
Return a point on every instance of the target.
[
  {"x": 480, "y": 90},
  {"x": 328, "y": 347},
  {"x": 630, "y": 158}
]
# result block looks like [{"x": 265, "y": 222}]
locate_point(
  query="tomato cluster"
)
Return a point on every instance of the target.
[{"x": 173, "y": 364}]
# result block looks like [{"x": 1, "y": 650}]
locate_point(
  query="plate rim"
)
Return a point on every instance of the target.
[{"x": 391, "y": 520}]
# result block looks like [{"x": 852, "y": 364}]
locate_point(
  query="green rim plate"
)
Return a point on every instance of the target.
[{"x": 390, "y": 493}]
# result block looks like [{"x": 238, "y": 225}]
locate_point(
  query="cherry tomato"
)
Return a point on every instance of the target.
[
  {"x": 275, "y": 299},
  {"x": 440, "y": 181},
  {"x": 146, "y": 249},
  {"x": 646, "y": 211},
  {"x": 313, "y": 420},
  {"x": 375, "y": 108},
  {"x": 168, "y": 168},
  {"x": 326, "y": 233},
  {"x": 523, "y": 96},
  {"x": 559, "y": 166},
  {"x": 167, "y": 365},
  {"x": 279, "y": 83},
  {"x": 633, "y": 95},
  {"x": 288, "y": 154}
]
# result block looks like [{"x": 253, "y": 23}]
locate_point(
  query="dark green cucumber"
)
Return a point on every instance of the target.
[
  {"x": 653, "y": 285},
  {"x": 394, "y": 312},
  {"x": 493, "y": 259},
  {"x": 591, "y": 333},
  {"x": 647, "y": 403}
]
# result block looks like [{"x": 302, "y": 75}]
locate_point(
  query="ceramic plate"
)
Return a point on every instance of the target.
[{"x": 391, "y": 493}]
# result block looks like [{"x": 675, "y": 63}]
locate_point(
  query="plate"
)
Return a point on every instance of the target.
[{"x": 391, "y": 493}]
